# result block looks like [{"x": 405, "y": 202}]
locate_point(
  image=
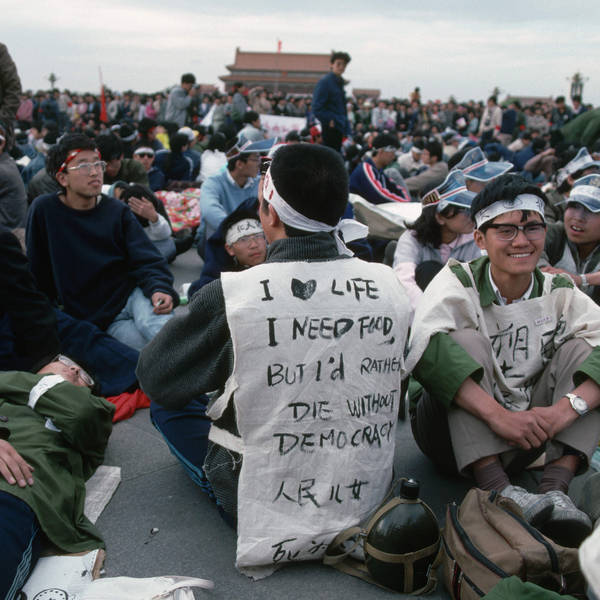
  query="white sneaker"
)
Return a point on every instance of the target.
[
  {"x": 536, "y": 508},
  {"x": 567, "y": 525}
]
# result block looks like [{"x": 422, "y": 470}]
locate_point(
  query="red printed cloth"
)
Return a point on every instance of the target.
[
  {"x": 183, "y": 208},
  {"x": 128, "y": 403}
]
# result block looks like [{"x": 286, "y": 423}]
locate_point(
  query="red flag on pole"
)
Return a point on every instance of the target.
[
  {"x": 103, "y": 113},
  {"x": 278, "y": 45}
]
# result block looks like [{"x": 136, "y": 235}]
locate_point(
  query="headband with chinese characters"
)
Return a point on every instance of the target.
[
  {"x": 241, "y": 229},
  {"x": 349, "y": 228},
  {"x": 521, "y": 202}
]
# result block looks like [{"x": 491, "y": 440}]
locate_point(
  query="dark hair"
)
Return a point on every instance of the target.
[
  {"x": 239, "y": 215},
  {"x": 457, "y": 157},
  {"x": 386, "y": 139},
  {"x": 59, "y": 152},
  {"x": 217, "y": 142},
  {"x": 135, "y": 190},
  {"x": 339, "y": 56},
  {"x": 292, "y": 136},
  {"x": 538, "y": 144},
  {"x": 188, "y": 78},
  {"x": 177, "y": 142},
  {"x": 237, "y": 85},
  {"x": 250, "y": 116},
  {"x": 435, "y": 149},
  {"x": 427, "y": 230},
  {"x": 576, "y": 98},
  {"x": 493, "y": 99},
  {"x": 313, "y": 180},
  {"x": 110, "y": 146},
  {"x": 559, "y": 99},
  {"x": 505, "y": 187}
]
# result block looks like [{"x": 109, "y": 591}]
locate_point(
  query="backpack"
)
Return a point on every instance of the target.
[{"x": 486, "y": 539}]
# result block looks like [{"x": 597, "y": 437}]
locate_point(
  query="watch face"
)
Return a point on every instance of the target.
[{"x": 579, "y": 404}]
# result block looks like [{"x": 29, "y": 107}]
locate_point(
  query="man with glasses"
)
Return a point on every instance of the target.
[
  {"x": 510, "y": 361},
  {"x": 89, "y": 254},
  {"x": 238, "y": 243},
  {"x": 145, "y": 156},
  {"x": 53, "y": 432}
]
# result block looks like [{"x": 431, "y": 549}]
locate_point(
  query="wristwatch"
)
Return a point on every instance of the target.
[
  {"x": 584, "y": 281},
  {"x": 580, "y": 406}
]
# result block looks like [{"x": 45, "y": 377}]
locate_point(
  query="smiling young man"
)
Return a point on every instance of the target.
[
  {"x": 573, "y": 247},
  {"x": 89, "y": 254},
  {"x": 510, "y": 360}
]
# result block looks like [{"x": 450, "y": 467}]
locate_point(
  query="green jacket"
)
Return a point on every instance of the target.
[
  {"x": 458, "y": 365},
  {"x": 63, "y": 437}
]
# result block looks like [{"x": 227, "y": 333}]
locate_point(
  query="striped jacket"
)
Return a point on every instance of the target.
[{"x": 374, "y": 185}]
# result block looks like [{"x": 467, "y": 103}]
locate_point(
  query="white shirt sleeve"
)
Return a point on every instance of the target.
[{"x": 160, "y": 230}]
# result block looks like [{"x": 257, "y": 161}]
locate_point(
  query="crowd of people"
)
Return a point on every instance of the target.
[{"x": 490, "y": 304}]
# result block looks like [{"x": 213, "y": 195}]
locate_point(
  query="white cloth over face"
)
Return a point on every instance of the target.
[
  {"x": 349, "y": 228},
  {"x": 318, "y": 361}
]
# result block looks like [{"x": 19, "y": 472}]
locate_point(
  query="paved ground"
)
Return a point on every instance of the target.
[{"x": 193, "y": 540}]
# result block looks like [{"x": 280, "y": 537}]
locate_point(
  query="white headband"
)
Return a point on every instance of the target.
[
  {"x": 144, "y": 150},
  {"x": 521, "y": 202},
  {"x": 350, "y": 229},
  {"x": 242, "y": 229}
]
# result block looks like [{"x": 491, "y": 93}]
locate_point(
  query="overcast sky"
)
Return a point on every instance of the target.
[{"x": 461, "y": 47}]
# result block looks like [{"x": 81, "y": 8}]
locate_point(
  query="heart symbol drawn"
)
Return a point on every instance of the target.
[{"x": 303, "y": 290}]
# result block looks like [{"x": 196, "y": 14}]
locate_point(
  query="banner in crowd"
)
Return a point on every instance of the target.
[
  {"x": 274, "y": 125},
  {"x": 279, "y": 126}
]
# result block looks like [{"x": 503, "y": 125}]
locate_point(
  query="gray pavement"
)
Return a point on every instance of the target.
[{"x": 193, "y": 540}]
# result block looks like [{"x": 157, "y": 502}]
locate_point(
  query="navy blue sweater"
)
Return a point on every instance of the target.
[{"x": 89, "y": 261}]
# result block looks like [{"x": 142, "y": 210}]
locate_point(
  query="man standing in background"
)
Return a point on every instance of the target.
[
  {"x": 179, "y": 99},
  {"x": 329, "y": 102}
]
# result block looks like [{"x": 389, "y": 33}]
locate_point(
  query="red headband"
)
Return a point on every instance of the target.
[{"x": 71, "y": 156}]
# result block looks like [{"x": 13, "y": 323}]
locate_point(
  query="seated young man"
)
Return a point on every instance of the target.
[
  {"x": 51, "y": 441},
  {"x": 89, "y": 254},
  {"x": 510, "y": 361},
  {"x": 336, "y": 326},
  {"x": 32, "y": 332},
  {"x": 369, "y": 179},
  {"x": 573, "y": 247}
]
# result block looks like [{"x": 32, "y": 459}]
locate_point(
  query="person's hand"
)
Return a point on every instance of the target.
[
  {"x": 526, "y": 429},
  {"x": 557, "y": 271},
  {"x": 558, "y": 416},
  {"x": 163, "y": 303},
  {"x": 144, "y": 208},
  {"x": 13, "y": 467}
]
